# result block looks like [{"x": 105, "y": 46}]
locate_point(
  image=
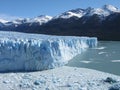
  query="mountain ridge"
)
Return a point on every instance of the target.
[
  {"x": 103, "y": 23},
  {"x": 79, "y": 12}
]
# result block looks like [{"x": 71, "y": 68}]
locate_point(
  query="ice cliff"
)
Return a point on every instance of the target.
[{"x": 27, "y": 52}]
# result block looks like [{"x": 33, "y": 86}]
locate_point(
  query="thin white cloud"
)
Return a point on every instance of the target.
[{"x": 8, "y": 17}]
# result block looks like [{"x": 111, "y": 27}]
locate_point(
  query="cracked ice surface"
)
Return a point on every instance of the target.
[{"x": 27, "y": 52}]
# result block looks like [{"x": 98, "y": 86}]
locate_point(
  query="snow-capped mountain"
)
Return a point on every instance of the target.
[
  {"x": 77, "y": 13},
  {"x": 110, "y": 8},
  {"x": 40, "y": 19},
  {"x": 101, "y": 22},
  {"x": 106, "y": 10},
  {"x": 3, "y": 21}
]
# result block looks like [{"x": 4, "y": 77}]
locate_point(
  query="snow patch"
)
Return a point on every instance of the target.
[
  {"x": 106, "y": 10},
  {"x": 110, "y": 8},
  {"x": 3, "y": 21},
  {"x": 69, "y": 14},
  {"x": 40, "y": 19}
]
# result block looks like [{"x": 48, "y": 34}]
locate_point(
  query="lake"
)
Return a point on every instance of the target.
[{"x": 105, "y": 57}]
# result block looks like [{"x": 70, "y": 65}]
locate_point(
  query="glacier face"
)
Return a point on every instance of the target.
[{"x": 28, "y": 52}]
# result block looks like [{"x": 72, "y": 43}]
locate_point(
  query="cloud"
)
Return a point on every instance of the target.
[{"x": 8, "y": 17}]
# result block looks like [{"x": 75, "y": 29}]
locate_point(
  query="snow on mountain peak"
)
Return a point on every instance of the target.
[
  {"x": 42, "y": 19},
  {"x": 3, "y": 21},
  {"x": 70, "y": 14},
  {"x": 45, "y": 16},
  {"x": 75, "y": 12},
  {"x": 104, "y": 11},
  {"x": 110, "y": 8},
  {"x": 18, "y": 21},
  {"x": 91, "y": 11}
]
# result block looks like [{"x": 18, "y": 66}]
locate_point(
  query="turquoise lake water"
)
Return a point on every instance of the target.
[{"x": 105, "y": 57}]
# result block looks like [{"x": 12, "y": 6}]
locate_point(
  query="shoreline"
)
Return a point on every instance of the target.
[{"x": 62, "y": 78}]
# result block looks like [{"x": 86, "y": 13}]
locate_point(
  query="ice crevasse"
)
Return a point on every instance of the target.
[{"x": 28, "y": 52}]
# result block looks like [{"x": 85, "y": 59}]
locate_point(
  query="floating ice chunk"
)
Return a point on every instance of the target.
[
  {"x": 100, "y": 48},
  {"x": 86, "y": 61},
  {"x": 102, "y": 52},
  {"x": 115, "y": 60}
]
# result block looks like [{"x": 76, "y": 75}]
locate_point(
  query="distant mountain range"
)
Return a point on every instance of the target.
[{"x": 103, "y": 23}]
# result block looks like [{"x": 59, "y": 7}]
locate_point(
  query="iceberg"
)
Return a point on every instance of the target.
[{"x": 29, "y": 52}]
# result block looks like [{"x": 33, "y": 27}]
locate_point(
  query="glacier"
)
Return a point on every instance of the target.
[{"x": 29, "y": 52}]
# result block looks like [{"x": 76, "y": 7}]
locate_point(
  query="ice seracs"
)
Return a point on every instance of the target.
[{"x": 27, "y": 52}]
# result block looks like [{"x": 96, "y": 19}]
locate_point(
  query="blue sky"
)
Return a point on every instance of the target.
[{"x": 11, "y": 9}]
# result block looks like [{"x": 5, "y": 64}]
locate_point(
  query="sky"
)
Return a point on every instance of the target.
[{"x": 11, "y": 9}]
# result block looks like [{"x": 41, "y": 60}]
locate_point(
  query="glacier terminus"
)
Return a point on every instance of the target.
[{"x": 29, "y": 52}]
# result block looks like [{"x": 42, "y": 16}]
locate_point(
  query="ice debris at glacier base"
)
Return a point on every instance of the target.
[
  {"x": 63, "y": 78},
  {"x": 26, "y": 52}
]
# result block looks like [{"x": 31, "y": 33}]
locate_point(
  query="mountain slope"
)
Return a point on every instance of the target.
[{"x": 103, "y": 23}]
